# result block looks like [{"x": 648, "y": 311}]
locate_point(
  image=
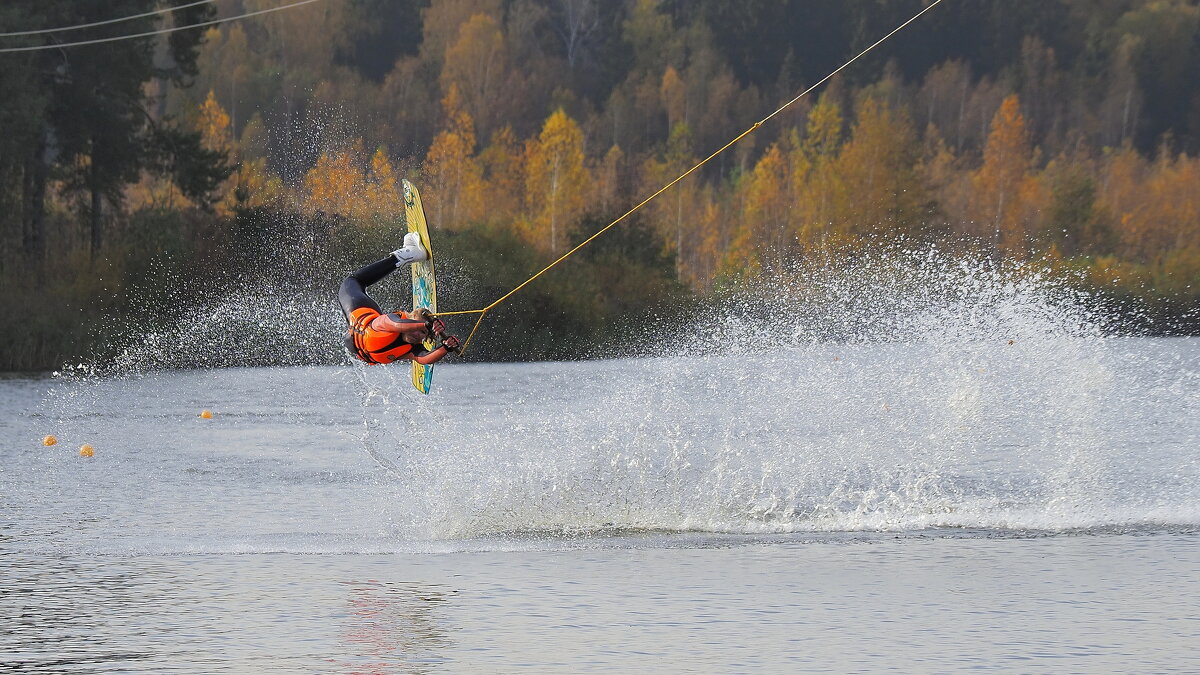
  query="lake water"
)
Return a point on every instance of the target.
[{"x": 932, "y": 505}]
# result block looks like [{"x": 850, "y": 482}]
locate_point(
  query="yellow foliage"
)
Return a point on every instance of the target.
[
  {"x": 1179, "y": 272},
  {"x": 1123, "y": 197},
  {"x": 767, "y": 207},
  {"x": 1112, "y": 272},
  {"x": 948, "y": 183},
  {"x": 673, "y": 212},
  {"x": 155, "y": 192},
  {"x": 383, "y": 198},
  {"x": 215, "y": 131},
  {"x": 254, "y": 186},
  {"x": 556, "y": 181},
  {"x": 877, "y": 167},
  {"x": 160, "y": 192},
  {"x": 817, "y": 190},
  {"x": 712, "y": 234},
  {"x": 452, "y": 171},
  {"x": 824, "y": 132}
]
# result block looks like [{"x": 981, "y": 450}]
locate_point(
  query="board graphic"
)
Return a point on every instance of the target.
[{"x": 424, "y": 284}]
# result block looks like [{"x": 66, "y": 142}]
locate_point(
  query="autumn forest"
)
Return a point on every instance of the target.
[{"x": 1060, "y": 132}]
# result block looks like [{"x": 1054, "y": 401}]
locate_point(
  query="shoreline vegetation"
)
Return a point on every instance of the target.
[{"x": 144, "y": 183}]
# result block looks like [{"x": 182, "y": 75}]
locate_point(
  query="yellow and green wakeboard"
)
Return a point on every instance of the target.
[{"x": 424, "y": 284}]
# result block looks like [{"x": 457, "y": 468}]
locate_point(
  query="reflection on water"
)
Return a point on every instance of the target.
[
  {"x": 394, "y": 627},
  {"x": 275, "y": 613},
  {"x": 1090, "y": 603}
]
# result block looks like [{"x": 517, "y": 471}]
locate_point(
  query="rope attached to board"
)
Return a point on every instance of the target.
[{"x": 483, "y": 311}]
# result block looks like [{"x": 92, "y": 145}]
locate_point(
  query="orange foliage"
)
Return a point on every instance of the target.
[
  {"x": 337, "y": 184},
  {"x": 1007, "y": 198},
  {"x": 503, "y": 179},
  {"x": 814, "y": 190},
  {"x": 1156, "y": 207},
  {"x": 674, "y": 96},
  {"x": 382, "y": 199}
]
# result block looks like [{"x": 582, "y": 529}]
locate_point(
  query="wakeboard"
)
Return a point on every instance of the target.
[{"x": 424, "y": 284}]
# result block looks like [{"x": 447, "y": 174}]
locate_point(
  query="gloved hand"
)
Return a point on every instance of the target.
[
  {"x": 451, "y": 343},
  {"x": 437, "y": 326}
]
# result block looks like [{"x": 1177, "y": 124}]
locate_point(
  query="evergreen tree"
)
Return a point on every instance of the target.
[{"x": 89, "y": 121}]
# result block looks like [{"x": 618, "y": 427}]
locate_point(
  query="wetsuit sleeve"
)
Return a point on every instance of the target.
[
  {"x": 400, "y": 318},
  {"x": 396, "y": 322}
]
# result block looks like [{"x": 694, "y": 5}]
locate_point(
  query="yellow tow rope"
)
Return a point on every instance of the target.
[{"x": 483, "y": 312}]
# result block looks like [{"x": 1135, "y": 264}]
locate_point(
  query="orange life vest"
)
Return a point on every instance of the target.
[{"x": 375, "y": 346}]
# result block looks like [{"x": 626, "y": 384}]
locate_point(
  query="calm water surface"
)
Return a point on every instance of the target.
[{"x": 927, "y": 507}]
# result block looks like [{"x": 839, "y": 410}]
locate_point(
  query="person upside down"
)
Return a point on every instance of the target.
[{"x": 376, "y": 337}]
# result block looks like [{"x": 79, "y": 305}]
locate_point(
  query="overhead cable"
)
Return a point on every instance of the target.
[
  {"x": 81, "y": 26},
  {"x": 173, "y": 29}
]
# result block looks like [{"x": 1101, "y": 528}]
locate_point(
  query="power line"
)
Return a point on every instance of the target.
[
  {"x": 64, "y": 29},
  {"x": 155, "y": 32}
]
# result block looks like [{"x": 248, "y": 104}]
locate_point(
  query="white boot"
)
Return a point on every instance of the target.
[{"x": 412, "y": 251}]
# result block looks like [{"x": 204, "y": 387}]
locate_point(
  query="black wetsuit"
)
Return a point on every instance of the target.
[
  {"x": 352, "y": 296},
  {"x": 353, "y": 293}
]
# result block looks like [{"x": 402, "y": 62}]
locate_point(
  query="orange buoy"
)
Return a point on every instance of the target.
[
  {"x": 206, "y": 414},
  {"x": 86, "y": 450},
  {"x": 49, "y": 440}
]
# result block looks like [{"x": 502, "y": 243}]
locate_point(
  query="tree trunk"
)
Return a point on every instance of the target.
[
  {"x": 33, "y": 239},
  {"x": 96, "y": 214}
]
